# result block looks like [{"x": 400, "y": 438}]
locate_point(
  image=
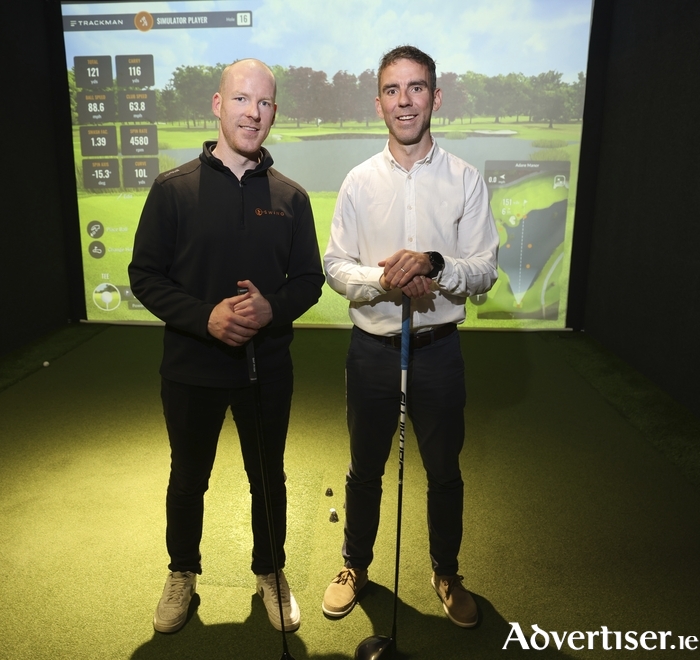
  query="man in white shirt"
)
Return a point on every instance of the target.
[{"x": 413, "y": 219}]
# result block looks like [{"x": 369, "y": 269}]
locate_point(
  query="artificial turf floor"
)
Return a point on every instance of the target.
[{"x": 573, "y": 519}]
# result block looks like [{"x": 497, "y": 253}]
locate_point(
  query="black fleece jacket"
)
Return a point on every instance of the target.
[{"x": 201, "y": 231}]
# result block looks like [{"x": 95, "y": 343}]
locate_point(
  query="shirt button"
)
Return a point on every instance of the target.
[{"x": 410, "y": 239}]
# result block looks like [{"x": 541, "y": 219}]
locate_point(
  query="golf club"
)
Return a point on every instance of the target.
[
  {"x": 253, "y": 378},
  {"x": 381, "y": 646}
]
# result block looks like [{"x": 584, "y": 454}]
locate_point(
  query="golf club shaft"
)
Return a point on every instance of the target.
[
  {"x": 405, "y": 345},
  {"x": 253, "y": 378},
  {"x": 380, "y": 646}
]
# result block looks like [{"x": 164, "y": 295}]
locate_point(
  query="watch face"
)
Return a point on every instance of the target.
[{"x": 437, "y": 262}]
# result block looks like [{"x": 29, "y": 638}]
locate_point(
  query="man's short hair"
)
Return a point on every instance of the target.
[{"x": 409, "y": 53}]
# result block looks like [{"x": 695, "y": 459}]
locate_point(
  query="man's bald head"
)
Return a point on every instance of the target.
[{"x": 243, "y": 66}]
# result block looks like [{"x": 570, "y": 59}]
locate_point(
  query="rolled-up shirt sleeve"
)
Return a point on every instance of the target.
[{"x": 475, "y": 270}]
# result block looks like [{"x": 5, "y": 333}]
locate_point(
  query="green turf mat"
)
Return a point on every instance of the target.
[{"x": 573, "y": 519}]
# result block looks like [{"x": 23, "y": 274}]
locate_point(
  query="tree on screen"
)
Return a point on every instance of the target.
[
  {"x": 576, "y": 95},
  {"x": 73, "y": 92},
  {"x": 344, "y": 96},
  {"x": 281, "y": 99},
  {"x": 307, "y": 93},
  {"x": 474, "y": 85},
  {"x": 454, "y": 97},
  {"x": 549, "y": 97},
  {"x": 366, "y": 93},
  {"x": 167, "y": 104},
  {"x": 518, "y": 95},
  {"x": 195, "y": 86},
  {"x": 496, "y": 89}
]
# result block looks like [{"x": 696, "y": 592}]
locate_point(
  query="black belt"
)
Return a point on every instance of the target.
[{"x": 419, "y": 339}]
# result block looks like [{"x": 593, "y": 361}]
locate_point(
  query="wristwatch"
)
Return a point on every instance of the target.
[{"x": 437, "y": 262}]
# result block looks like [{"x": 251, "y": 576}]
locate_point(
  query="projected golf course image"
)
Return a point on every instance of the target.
[
  {"x": 530, "y": 201},
  {"x": 140, "y": 87}
]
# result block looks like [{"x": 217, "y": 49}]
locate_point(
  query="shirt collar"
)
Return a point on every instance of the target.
[
  {"x": 264, "y": 163},
  {"x": 426, "y": 160}
]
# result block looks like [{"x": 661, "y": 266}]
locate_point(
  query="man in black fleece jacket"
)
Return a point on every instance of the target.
[{"x": 225, "y": 221}]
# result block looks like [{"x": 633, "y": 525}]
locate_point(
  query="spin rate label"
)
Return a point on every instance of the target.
[
  {"x": 93, "y": 72},
  {"x": 139, "y": 140},
  {"x": 98, "y": 141},
  {"x": 135, "y": 71}
]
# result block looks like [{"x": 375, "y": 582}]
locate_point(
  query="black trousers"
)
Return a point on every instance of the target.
[
  {"x": 435, "y": 406},
  {"x": 194, "y": 416}
]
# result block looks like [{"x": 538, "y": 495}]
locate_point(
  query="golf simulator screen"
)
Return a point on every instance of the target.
[{"x": 141, "y": 76}]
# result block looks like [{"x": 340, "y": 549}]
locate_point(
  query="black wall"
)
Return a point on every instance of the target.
[
  {"x": 38, "y": 240},
  {"x": 643, "y": 287},
  {"x": 639, "y": 292}
]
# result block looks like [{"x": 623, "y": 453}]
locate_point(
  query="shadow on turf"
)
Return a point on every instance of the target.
[
  {"x": 254, "y": 639},
  {"x": 425, "y": 636},
  {"x": 419, "y": 635}
]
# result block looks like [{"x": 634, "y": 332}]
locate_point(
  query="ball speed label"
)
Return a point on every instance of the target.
[{"x": 96, "y": 107}]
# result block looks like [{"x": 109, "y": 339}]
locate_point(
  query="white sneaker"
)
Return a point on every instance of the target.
[
  {"x": 267, "y": 590},
  {"x": 171, "y": 612}
]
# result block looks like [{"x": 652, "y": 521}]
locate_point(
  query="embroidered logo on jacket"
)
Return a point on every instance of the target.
[{"x": 260, "y": 211}]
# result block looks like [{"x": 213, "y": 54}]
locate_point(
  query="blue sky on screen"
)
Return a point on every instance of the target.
[{"x": 486, "y": 36}]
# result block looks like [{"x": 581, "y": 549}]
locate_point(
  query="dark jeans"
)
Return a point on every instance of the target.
[
  {"x": 435, "y": 406},
  {"x": 194, "y": 416}
]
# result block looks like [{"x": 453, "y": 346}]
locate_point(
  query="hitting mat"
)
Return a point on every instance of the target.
[{"x": 573, "y": 520}]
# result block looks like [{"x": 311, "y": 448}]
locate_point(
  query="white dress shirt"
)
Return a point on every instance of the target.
[{"x": 441, "y": 205}]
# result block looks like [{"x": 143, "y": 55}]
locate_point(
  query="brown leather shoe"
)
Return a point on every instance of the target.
[
  {"x": 341, "y": 593},
  {"x": 458, "y": 603}
]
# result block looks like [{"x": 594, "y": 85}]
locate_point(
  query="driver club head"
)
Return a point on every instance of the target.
[{"x": 375, "y": 647}]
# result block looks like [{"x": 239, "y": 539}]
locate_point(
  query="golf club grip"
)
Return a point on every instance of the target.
[
  {"x": 252, "y": 366},
  {"x": 405, "y": 330},
  {"x": 250, "y": 351}
]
